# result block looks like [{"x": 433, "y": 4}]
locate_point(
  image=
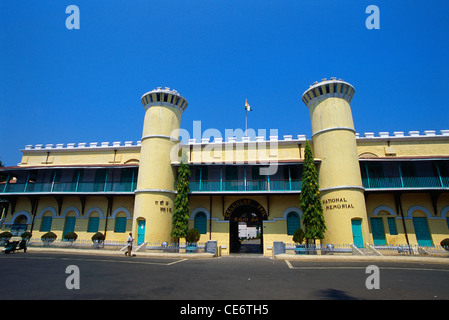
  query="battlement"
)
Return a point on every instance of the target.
[
  {"x": 328, "y": 88},
  {"x": 411, "y": 135},
  {"x": 401, "y": 135},
  {"x": 166, "y": 96}
]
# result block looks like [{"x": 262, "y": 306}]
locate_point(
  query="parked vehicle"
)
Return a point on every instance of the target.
[{"x": 12, "y": 246}]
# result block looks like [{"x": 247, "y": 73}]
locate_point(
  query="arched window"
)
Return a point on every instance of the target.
[
  {"x": 200, "y": 222},
  {"x": 46, "y": 222},
  {"x": 70, "y": 222},
  {"x": 19, "y": 226},
  {"x": 292, "y": 223},
  {"x": 94, "y": 222},
  {"x": 120, "y": 223}
]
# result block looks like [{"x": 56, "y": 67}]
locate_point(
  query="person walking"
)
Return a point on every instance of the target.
[{"x": 130, "y": 245}]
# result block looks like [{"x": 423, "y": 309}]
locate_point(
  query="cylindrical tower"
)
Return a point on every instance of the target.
[
  {"x": 334, "y": 143},
  {"x": 155, "y": 193}
]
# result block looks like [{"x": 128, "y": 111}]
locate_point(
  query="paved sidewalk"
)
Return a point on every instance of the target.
[
  {"x": 291, "y": 257},
  {"x": 122, "y": 253}
]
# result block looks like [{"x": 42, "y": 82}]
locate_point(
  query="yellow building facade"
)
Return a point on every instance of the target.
[{"x": 381, "y": 189}]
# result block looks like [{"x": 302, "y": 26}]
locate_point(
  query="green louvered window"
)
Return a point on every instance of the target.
[
  {"x": 46, "y": 224},
  {"x": 120, "y": 225},
  {"x": 200, "y": 222},
  {"x": 292, "y": 223}
]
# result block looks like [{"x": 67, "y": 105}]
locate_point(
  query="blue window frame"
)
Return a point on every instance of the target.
[
  {"x": 392, "y": 226},
  {"x": 200, "y": 222},
  {"x": 46, "y": 224},
  {"x": 292, "y": 223},
  {"x": 69, "y": 225},
  {"x": 93, "y": 225},
  {"x": 120, "y": 225},
  {"x": 422, "y": 232}
]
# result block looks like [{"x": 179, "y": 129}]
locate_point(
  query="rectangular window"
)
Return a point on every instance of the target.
[
  {"x": 46, "y": 224},
  {"x": 120, "y": 225},
  {"x": 94, "y": 223},
  {"x": 69, "y": 225},
  {"x": 392, "y": 226}
]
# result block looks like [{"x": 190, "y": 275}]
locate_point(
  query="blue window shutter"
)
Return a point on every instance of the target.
[
  {"x": 392, "y": 226},
  {"x": 46, "y": 224},
  {"x": 378, "y": 232},
  {"x": 94, "y": 223},
  {"x": 292, "y": 223},
  {"x": 69, "y": 225},
  {"x": 200, "y": 222},
  {"x": 120, "y": 224}
]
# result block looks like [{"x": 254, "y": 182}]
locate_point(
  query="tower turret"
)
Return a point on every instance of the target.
[
  {"x": 334, "y": 143},
  {"x": 155, "y": 193}
]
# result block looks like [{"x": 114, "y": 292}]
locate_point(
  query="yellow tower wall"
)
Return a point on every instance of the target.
[
  {"x": 155, "y": 193},
  {"x": 334, "y": 143}
]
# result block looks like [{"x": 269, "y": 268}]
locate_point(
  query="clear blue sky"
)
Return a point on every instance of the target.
[{"x": 62, "y": 86}]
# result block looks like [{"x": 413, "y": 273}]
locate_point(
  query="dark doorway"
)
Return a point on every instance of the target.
[{"x": 246, "y": 230}]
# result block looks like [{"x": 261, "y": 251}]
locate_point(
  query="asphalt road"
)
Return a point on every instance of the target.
[{"x": 44, "y": 276}]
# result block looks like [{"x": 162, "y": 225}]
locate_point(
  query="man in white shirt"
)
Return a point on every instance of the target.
[{"x": 130, "y": 244}]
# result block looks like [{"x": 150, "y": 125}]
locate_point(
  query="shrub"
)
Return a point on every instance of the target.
[
  {"x": 298, "y": 236},
  {"x": 71, "y": 236},
  {"x": 5, "y": 235},
  {"x": 98, "y": 237},
  {"x": 192, "y": 236},
  {"x": 445, "y": 243},
  {"x": 49, "y": 237},
  {"x": 26, "y": 235}
]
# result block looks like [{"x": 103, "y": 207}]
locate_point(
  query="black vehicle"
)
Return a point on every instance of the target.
[{"x": 12, "y": 246}]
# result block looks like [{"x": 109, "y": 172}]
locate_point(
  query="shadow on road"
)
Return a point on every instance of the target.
[{"x": 333, "y": 294}]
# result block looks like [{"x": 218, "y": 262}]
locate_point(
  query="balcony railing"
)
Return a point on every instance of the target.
[
  {"x": 371, "y": 183},
  {"x": 405, "y": 182},
  {"x": 62, "y": 187},
  {"x": 244, "y": 185}
]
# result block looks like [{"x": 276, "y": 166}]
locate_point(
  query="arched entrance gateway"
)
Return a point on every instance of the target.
[{"x": 245, "y": 226}]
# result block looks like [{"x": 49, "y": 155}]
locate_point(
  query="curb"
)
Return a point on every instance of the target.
[
  {"x": 408, "y": 259},
  {"x": 290, "y": 257}
]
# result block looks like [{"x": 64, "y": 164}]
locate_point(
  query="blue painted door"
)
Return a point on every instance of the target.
[
  {"x": 357, "y": 233},
  {"x": 140, "y": 232},
  {"x": 422, "y": 231},
  {"x": 377, "y": 228}
]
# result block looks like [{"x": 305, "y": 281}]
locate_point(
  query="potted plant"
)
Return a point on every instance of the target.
[
  {"x": 298, "y": 238},
  {"x": 192, "y": 237},
  {"x": 98, "y": 239},
  {"x": 4, "y": 237},
  {"x": 26, "y": 236},
  {"x": 445, "y": 244},
  {"x": 70, "y": 237},
  {"x": 48, "y": 238}
]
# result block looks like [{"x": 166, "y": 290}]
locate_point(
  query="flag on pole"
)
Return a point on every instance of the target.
[{"x": 247, "y": 107}]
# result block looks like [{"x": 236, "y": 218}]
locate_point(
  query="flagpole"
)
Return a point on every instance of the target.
[{"x": 246, "y": 122}]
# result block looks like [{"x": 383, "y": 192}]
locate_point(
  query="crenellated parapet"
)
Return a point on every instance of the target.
[
  {"x": 83, "y": 146},
  {"x": 164, "y": 97},
  {"x": 328, "y": 88}
]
